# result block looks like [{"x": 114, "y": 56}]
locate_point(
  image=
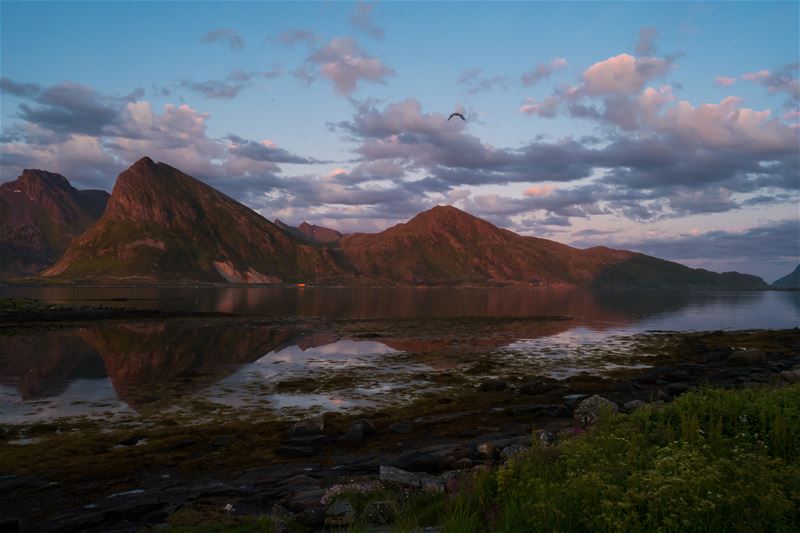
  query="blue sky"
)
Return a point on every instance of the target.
[{"x": 640, "y": 125}]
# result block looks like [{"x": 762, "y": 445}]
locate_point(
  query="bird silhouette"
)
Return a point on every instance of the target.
[{"x": 459, "y": 115}]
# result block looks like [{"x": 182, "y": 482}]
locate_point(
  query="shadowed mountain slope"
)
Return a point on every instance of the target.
[
  {"x": 40, "y": 213},
  {"x": 162, "y": 225}
]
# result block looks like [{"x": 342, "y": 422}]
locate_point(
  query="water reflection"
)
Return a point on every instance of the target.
[{"x": 338, "y": 364}]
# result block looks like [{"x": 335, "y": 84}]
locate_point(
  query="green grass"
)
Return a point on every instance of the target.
[{"x": 711, "y": 461}]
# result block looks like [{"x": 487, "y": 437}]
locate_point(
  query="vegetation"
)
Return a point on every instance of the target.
[{"x": 711, "y": 461}]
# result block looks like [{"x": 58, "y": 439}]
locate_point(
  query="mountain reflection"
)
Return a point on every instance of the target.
[{"x": 179, "y": 358}]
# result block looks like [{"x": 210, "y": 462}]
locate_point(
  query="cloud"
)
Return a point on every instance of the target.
[
  {"x": 292, "y": 37},
  {"x": 475, "y": 82},
  {"x": 346, "y": 64},
  {"x": 10, "y": 86},
  {"x": 543, "y": 71},
  {"x": 772, "y": 243},
  {"x": 724, "y": 81},
  {"x": 646, "y": 45},
  {"x": 226, "y": 35},
  {"x": 782, "y": 81},
  {"x": 264, "y": 151},
  {"x": 214, "y": 88},
  {"x": 361, "y": 19},
  {"x": 547, "y": 108},
  {"x": 622, "y": 74}
]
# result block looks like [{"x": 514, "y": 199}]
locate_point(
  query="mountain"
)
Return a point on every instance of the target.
[
  {"x": 40, "y": 213},
  {"x": 789, "y": 281},
  {"x": 310, "y": 232},
  {"x": 445, "y": 245},
  {"x": 163, "y": 225}
]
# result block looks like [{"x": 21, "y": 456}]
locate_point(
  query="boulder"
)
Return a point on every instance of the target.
[
  {"x": 399, "y": 476},
  {"x": 306, "y": 428},
  {"x": 510, "y": 451},
  {"x": 589, "y": 410},
  {"x": 354, "y": 436},
  {"x": 341, "y": 513},
  {"x": 632, "y": 406},
  {"x": 535, "y": 387}
]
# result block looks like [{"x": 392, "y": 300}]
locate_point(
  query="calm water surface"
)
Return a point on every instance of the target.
[{"x": 314, "y": 349}]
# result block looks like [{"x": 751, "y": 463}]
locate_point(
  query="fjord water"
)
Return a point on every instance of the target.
[{"x": 293, "y": 350}]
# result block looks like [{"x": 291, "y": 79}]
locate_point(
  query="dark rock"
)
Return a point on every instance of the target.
[
  {"x": 510, "y": 451},
  {"x": 313, "y": 441},
  {"x": 341, "y": 513},
  {"x": 589, "y": 410},
  {"x": 468, "y": 433},
  {"x": 180, "y": 445},
  {"x": 493, "y": 385},
  {"x": 313, "y": 516},
  {"x": 399, "y": 476},
  {"x": 367, "y": 426},
  {"x": 535, "y": 387},
  {"x": 354, "y": 436},
  {"x": 399, "y": 428},
  {"x": 632, "y": 406},
  {"x": 379, "y": 513},
  {"x": 463, "y": 464},
  {"x": 130, "y": 441},
  {"x": 546, "y": 438},
  {"x": 751, "y": 356},
  {"x": 306, "y": 428},
  {"x": 295, "y": 451}
]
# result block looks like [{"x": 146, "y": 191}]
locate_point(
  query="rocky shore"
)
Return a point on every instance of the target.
[{"x": 285, "y": 475}]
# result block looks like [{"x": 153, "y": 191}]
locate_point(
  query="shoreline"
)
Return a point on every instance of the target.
[{"x": 258, "y": 464}]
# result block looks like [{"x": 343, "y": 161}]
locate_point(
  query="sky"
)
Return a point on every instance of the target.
[{"x": 668, "y": 128}]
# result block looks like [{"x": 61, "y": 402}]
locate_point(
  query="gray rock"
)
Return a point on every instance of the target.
[
  {"x": 510, "y": 451},
  {"x": 379, "y": 513},
  {"x": 546, "y": 438},
  {"x": 399, "y": 476},
  {"x": 790, "y": 376},
  {"x": 354, "y": 436},
  {"x": 306, "y": 428},
  {"x": 750, "y": 356},
  {"x": 431, "y": 484},
  {"x": 341, "y": 513},
  {"x": 313, "y": 516},
  {"x": 589, "y": 410},
  {"x": 632, "y": 406},
  {"x": 676, "y": 389},
  {"x": 367, "y": 426}
]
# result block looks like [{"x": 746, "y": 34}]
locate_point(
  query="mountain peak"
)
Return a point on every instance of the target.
[{"x": 33, "y": 180}]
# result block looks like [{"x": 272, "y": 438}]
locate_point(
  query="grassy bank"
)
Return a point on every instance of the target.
[{"x": 710, "y": 461}]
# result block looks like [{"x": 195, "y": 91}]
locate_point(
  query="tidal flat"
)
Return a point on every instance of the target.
[{"x": 248, "y": 422}]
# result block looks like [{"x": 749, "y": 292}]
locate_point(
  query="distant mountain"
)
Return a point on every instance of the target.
[
  {"x": 162, "y": 225},
  {"x": 789, "y": 281},
  {"x": 310, "y": 232},
  {"x": 40, "y": 213},
  {"x": 446, "y": 245}
]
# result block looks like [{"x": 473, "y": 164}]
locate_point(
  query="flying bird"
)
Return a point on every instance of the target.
[{"x": 459, "y": 115}]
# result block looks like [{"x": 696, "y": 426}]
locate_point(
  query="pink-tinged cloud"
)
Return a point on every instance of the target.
[
  {"x": 724, "y": 81},
  {"x": 547, "y": 108},
  {"x": 622, "y": 74},
  {"x": 543, "y": 71},
  {"x": 726, "y": 125},
  {"x": 539, "y": 190},
  {"x": 760, "y": 75},
  {"x": 346, "y": 64}
]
